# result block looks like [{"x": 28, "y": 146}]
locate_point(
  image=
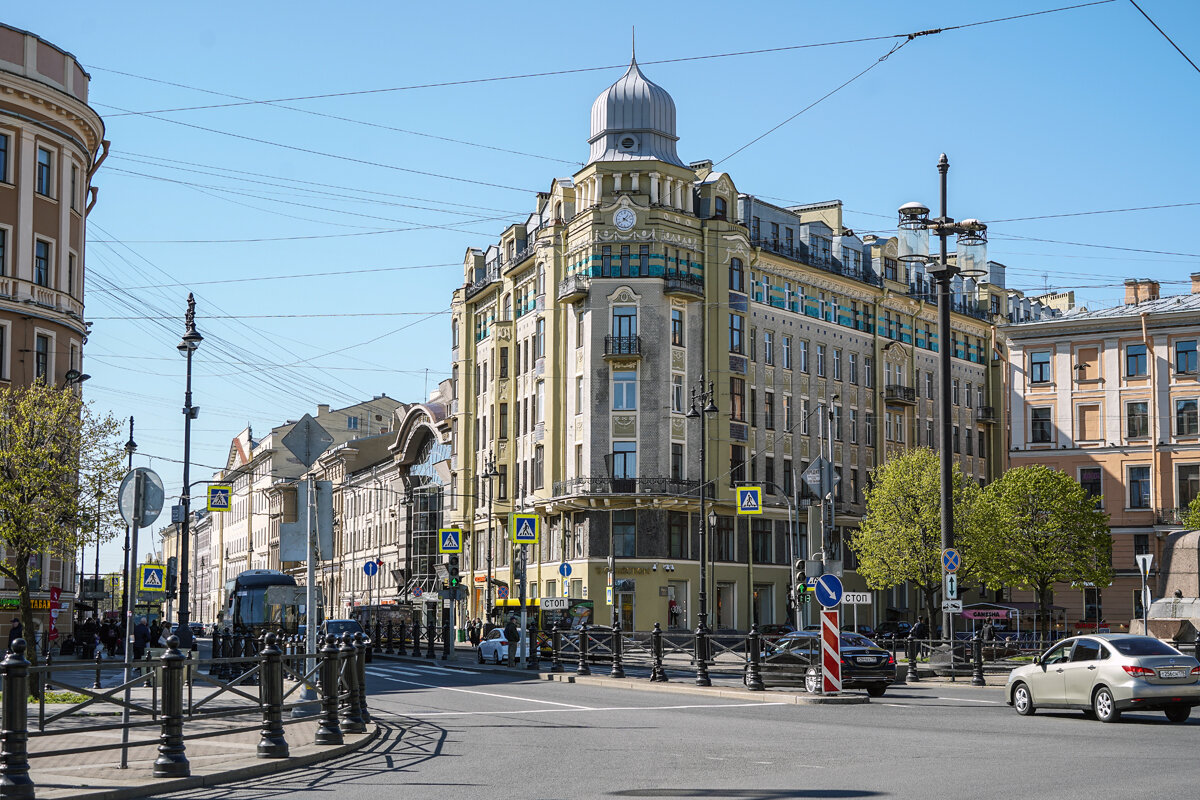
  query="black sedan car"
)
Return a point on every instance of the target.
[{"x": 795, "y": 660}]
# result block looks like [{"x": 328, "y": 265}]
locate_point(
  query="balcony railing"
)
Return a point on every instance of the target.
[
  {"x": 1171, "y": 516},
  {"x": 895, "y": 393},
  {"x": 489, "y": 277},
  {"x": 683, "y": 284},
  {"x": 573, "y": 287},
  {"x": 827, "y": 263},
  {"x": 986, "y": 414},
  {"x": 659, "y": 486},
  {"x": 30, "y": 293},
  {"x": 622, "y": 345}
]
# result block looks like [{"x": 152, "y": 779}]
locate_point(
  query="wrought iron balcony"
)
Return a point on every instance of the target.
[
  {"x": 986, "y": 414},
  {"x": 1171, "y": 516},
  {"x": 601, "y": 486},
  {"x": 573, "y": 287},
  {"x": 895, "y": 393},
  {"x": 489, "y": 277},
  {"x": 691, "y": 285},
  {"x": 617, "y": 346}
]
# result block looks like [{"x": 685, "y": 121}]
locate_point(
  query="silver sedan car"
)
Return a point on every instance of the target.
[{"x": 1105, "y": 674}]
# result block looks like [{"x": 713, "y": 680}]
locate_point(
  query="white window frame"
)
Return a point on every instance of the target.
[
  {"x": 1175, "y": 401},
  {"x": 1149, "y": 487},
  {"x": 53, "y": 349}
]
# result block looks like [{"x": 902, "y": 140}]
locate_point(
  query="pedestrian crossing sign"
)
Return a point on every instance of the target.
[
  {"x": 152, "y": 578},
  {"x": 450, "y": 540},
  {"x": 525, "y": 528},
  {"x": 749, "y": 500},
  {"x": 219, "y": 497}
]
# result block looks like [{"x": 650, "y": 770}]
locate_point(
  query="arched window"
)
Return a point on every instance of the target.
[{"x": 719, "y": 211}]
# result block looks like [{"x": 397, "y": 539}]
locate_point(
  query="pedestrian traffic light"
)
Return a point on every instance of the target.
[
  {"x": 452, "y": 571},
  {"x": 172, "y": 575}
]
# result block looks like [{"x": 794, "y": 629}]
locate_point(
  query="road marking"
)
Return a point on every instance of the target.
[
  {"x": 573, "y": 708},
  {"x": 969, "y": 700},
  {"x": 491, "y": 694}
]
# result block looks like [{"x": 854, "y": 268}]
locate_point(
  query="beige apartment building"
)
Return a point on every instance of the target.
[{"x": 1110, "y": 396}]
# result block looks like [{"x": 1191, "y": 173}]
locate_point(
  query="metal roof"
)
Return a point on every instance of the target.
[
  {"x": 1181, "y": 303},
  {"x": 633, "y": 120}
]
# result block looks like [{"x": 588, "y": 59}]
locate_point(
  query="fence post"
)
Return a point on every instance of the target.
[
  {"x": 533, "y": 647},
  {"x": 363, "y": 652},
  {"x": 271, "y": 742},
  {"x": 351, "y": 720},
  {"x": 378, "y": 637},
  {"x": 977, "y": 655},
  {"x": 583, "y": 668},
  {"x": 14, "y": 771},
  {"x": 328, "y": 731},
  {"x": 96, "y": 683},
  {"x": 556, "y": 664},
  {"x": 702, "y": 678},
  {"x": 172, "y": 759},
  {"x": 416, "y": 635},
  {"x": 657, "y": 675},
  {"x": 914, "y": 650},
  {"x": 618, "y": 668},
  {"x": 754, "y": 681},
  {"x": 49, "y": 664},
  {"x": 431, "y": 635},
  {"x": 389, "y": 649},
  {"x": 216, "y": 652}
]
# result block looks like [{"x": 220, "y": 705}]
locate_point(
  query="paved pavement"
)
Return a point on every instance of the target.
[{"x": 471, "y": 733}]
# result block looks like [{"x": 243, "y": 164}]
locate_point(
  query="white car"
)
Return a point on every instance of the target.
[{"x": 494, "y": 648}]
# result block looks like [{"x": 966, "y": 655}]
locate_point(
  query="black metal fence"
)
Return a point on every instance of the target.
[{"x": 175, "y": 706}]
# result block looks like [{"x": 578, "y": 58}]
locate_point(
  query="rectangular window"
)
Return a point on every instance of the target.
[
  {"x": 624, "y": 390},
  {"x": 837, "y": 423},
  {"x": 754, "y": 344},
  {"x": 1039, "y": 367},
  {"x": 787, "y": 477},
  {"x": 837, "y": 364},
  {"x": 579, "y": 394},
  {"x": 3, "y": 353},
  {"x": 737, "y": 464},
  {"x": 502, "y": 482},
  {"x": 45, "y": 172},
  {"x": 1139, "y": 487},
  {"x": 677, "y": 327},
  {"x": 928, "y": 385},
  {"x": 787, "y": 352},
  {"x": 753, "y": 407},
  {"x": 677, "y": 393},
  {"x": 539, "y": 348},
  {"x": 737, "y": 399},
  {"x": 768, "y": 347},
  {"x": 853, "y": 426},
  {"x": 41, "y": 263},
  {"x": 769, "y": 475},
  {"x": 1135, "y": 360},
  {"x": 967, "y": 395},
  {"x": 74, "y": 187},
  {"x": 956, "y": 440},
  {"x": 804, "y": 356},
  {"x": 787, "y": 413},
  {"x": 804, "y": 417},
  {"x": 1087, "y": 363},
  {"x": 606, "y": 260},
  {"x": 868, "y": 372},
  {"x": 502, "y": 431},
  {"x": 736, "y": 321},
  {"x": 539, "y": 402},
  {"x": 624, "y": 460},
  {"x": 737, "y": 278},
  {"x": 1039, "y": 425},
  {"x": 1185, "y": 357},
  {"x": 4, "y": 158},
  {"x": 539, "y": 463},
  {"x": 1185, "y": 417},
  {"x": 503, "y": 362},
  {"x": 769, "y": 410},
  {"x": 677, "y": 534},
  {"x": 41, "y": 357},
  {"x": 1092, "y": 481},
  {"x": 870, "y": 429},
  {"x": 624, "y": 533},
  {"x": 1089, "y": 423},
  {"x": 3, "y": 252},
  {"x": 954, "y": 391},
  {"x": 579, "y": 327},
  {"x": 854, "y": 369},
  {"x": 1187, "y": 484},
  {"x": 1137, "y": 420},
  {"x": 820, "y": 361},
  {"x": 624, "y": 260},
  {"x": 677, "y": 469}
]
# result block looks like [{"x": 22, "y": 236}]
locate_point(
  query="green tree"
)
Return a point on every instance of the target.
[
  {"x": 1191, "y": 517},
  {"x": 1042, "y": 528},
  {"x": 60, "y": 468},
  {"x": 900, "y": 538}
]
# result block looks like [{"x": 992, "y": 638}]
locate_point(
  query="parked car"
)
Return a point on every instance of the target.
[
  {"x": 494, "y": 647},
  {"x": 771, "y": 633},
  {"x": 1106, "y": 674},
  {"x": 795, "y": 660},
  {"x": 893, "y": 629}
]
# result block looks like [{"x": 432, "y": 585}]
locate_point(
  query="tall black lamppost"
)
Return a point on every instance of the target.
[
  {"x": 96, "y": 566},
  {"x": 191, "y": 341},
  {"x": 971, "y": 262},
  {"x": 491, "y": 473},
  {"x": 702, "y": 407},
  {"x": 126, "y": 569}
]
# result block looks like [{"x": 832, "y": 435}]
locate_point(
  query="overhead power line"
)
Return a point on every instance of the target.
[{"x": 1165, "y": 36}]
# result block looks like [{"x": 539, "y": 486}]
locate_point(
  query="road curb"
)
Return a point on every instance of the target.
[{"x": 257, "y": 769}]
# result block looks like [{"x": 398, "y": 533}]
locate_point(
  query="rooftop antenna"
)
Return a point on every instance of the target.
[{"x": 633, "y": 41}]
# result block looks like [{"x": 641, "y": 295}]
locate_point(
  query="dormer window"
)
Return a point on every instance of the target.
[{"x": 719, "y": 211}]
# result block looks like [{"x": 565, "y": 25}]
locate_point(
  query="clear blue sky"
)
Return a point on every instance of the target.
[{"x": 1083, "y": 110}]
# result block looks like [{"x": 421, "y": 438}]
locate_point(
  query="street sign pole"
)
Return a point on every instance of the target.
[
  {"x": 139, "y": 484},
  {"x": 524, "y": 613}
]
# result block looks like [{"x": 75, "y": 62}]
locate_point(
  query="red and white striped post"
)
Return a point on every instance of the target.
[{"x": 831, "y": 651}]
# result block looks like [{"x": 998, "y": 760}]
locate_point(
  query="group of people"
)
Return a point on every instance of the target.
[{"x": 103, "y": 639}]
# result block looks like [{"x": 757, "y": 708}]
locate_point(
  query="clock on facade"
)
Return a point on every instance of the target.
[{"x": 624, "y": 219}]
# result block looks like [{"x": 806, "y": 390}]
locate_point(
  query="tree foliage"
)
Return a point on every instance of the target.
[
  {"x": 1191, "y": 517},
  {"x": 900, "y": 537},
  {"x": 1042, "y": 528},
  {"x": 60, "y": 468}
]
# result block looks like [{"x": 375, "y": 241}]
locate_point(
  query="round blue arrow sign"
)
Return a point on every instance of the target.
[
  {"x": 564, "y": 569},
  {"x": 828, "y": 590},
  {"x": 370, "y": 568}
]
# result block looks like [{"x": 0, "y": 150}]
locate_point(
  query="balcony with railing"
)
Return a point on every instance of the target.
[
  {"x": 897, "y": 393},
  {"x": 573, "y": 287},
  {"x": 683, "y": 284},
  {"x": 622, "y": 346},
  {"x": 1171, "y": 516},
  {"x": 826, "y": 263},
  {"x": 490, "y": 276},
  {"x": 671, "y": 487},
  {"x": 986, "y": 414},
  {"x": 45, "y": 297}
]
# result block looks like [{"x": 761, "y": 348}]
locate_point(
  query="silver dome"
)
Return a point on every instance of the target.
[{"x": 634, "y": 120}]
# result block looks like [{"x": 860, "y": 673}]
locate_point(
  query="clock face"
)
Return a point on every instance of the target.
[{"x": 624, "y": 219}]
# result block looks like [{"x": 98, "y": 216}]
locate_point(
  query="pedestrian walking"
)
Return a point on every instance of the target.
[
  {"x": 141, "y": 639},
  {"x": 14, "y": 633},
  {"x": 512, "y": 635},
  {"x": 920, "y": 630}
]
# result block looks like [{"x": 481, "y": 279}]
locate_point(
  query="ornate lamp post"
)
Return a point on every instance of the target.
[
  {"x": 190, "y": 342},
  {"x": 702, "y": 407},
  {"x": 971, "y": 262}
]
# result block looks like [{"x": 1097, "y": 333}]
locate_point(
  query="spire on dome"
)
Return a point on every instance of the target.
[{"x": 634, "y": 120}]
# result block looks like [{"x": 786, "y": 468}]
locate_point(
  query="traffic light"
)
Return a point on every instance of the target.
[
  {"x": 452, "y": 571},
  {"x": 172, "y": 575}
]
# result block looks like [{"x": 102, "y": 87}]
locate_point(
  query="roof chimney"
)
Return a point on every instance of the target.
[
  {"x": 322, "y": 409},
  {"x": 1196, "y": 283},
  {"x": 1141, "y": 291}
]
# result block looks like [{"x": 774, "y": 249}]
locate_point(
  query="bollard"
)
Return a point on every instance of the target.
[
  {"x": 754, "y": 681},
  {"x": 431, "y": 635},
  {"x": 402, "y": 637},
  {"x": 618, "y": 668},
  {"x": 226, "y": 649},
  {"x": 328, "y": 731},
  {"x": 46, "y": 687},
  {"x": 533, "y": 646},
  {"x": 977, "y": 655},
  {"x": 378, "y": 637},
  {"x": 96, "y": 683},
  {"x": 351, "y": 719},
  {"x": 702, "y": 678},
  {"x": 14, "y": 758},
  {"x": 172, "y": 759},
  {"x": 271, "y": 742},
  {"x": 213, "y": 668},
  {"x": 556, "y": 664},
  {"x": 657, "y": 674},
  {"x": 416, "y": 635},
  {"x": 363, "y": 650},
  {"x": 389, "y": 649},
  {"x": 583, "y": 668},
  {"x": 914, "y": 649}
]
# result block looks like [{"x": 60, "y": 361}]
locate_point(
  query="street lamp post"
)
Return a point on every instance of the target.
[
  {"x": 491, "y": 474},
  {"x": 188, "y": 345},
  {"x": 130, "y": 449},
  {"x": 702, "y": 407},
  {"x": 971, "y": 262}
]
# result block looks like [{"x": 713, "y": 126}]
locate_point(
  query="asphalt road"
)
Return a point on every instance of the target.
[{"x": 480, "y": 735}]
